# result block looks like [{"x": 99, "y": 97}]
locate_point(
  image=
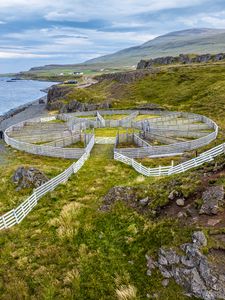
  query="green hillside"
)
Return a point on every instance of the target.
[
  {"x": 198, "y": 41},
  {"x": 68, "y": 247}
]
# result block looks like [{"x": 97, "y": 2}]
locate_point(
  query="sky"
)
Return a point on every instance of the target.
[{"x": 39, "y": 32}]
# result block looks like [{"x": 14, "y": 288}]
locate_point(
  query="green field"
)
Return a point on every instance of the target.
[{"x": 70, "y": 248}]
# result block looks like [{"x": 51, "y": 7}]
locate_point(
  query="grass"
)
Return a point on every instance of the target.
[
  {"x": 143, "y": 117},
  {"x": 163, "y": 161},
  {"x": 56, "y": 121},
  {"x": 111, "y": 132},
  {"x": 79, "y": 144},
  {"x": 15, "y": 159},
  {"x": 67, "y": 248}
]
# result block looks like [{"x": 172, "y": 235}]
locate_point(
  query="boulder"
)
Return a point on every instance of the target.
[
  {"x": 174, "y": 194},
  {"x": 119, "y": 193},
  {"x": 213, "y": 198},
  {"x": 180, "y": 202},
  {"x": 144, "y": 202},
  {"x": 27, "y": 177},
  {"x": 199, "y": 239},
  {"x": 191, "y": 270}
]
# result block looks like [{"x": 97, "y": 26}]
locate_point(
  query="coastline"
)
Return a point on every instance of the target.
[{"x": 31, "y": 109}]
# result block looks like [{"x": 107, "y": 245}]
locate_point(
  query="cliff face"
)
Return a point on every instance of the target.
[
  {"x": 182, "y": 59},
  {"x": 125, "y": 77},
  {"x": 55, "y": 101}
]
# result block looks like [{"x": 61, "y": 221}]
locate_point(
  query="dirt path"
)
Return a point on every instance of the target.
[{"x": 88, "y": 81}]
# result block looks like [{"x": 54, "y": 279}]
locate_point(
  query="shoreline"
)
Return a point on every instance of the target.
[{"x": 25, "y": 111}]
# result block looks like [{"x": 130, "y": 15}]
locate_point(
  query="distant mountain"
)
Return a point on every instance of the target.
[
  {"x": 190, "y": 41},
  {"x": 197, "y": 40}
]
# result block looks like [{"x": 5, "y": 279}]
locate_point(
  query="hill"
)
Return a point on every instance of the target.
[
  {"x": 190, "y": 41},
  {"x": 68, "y": 247},
  {"x": 196, "y": 41}
]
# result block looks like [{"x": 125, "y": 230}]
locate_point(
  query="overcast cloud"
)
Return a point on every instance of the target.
[{"x": 38, "y": 32}]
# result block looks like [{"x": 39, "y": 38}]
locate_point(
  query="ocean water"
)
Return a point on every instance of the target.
[{"x": 18, "y": 92}]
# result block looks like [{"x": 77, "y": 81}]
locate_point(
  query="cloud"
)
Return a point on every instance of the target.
[
  {"x": 72, "y": 31},
  {"x": 214, "y": 19},
  {"x": 79, "y": 10},
  {"x": 12, "y": 55},
  {"x": 71, "y": 11}
]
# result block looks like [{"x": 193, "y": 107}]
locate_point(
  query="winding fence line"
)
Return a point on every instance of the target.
[
  {"x": 204, "y": 157},
  {"x": 167, "y": 126},
  {"x": 15, "y": 216}
]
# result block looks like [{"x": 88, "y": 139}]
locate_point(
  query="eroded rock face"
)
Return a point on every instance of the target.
[
  {"x": 124, "y": 77},
  {"x": 191, "y": 270},
  {"x": 55, "y": 101},
  {"x": 213, "y": 198},
  {"x": 28, "y": 177},
  {"x": 182, "y": 58}
]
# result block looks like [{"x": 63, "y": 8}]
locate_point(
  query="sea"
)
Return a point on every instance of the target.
[{"x": 14, "y": 93}]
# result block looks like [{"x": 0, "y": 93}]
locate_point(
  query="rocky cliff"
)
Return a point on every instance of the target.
[
  {"x": 57, "y": 94},
  {"x": 181, "y": 59},
  {"x": 125, "y": 77}
]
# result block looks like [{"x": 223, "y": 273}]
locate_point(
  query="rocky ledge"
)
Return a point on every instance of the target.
[
  {"x": 55, "y": 101},
  {"x": 181, "y": 59},
  {"x": 190, "y": 269},
  {"x": 125, "y": 77}
]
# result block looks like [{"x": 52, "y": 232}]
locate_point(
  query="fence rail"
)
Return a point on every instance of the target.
[
  {"x": 164, "y": 123},
  {"x": 101, "y": 119},
  {"x": 15, "y": 216},
  {"x": 52, "y": 149},
  {"x": 204, "y": 157}
]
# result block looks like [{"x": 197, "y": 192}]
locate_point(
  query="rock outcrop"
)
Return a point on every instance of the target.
[
  {"x": 128, "y": 195},
  {"x": 55, "y": 101},
  {"x": 191, "y": 270},
  {"x": 118, "y": 193},
  {"x": 28, "y": 177},
  {"x": 213, "y": 199},
  {"x": 125, "y": 77},
  {"x": 181, "y": 59}
]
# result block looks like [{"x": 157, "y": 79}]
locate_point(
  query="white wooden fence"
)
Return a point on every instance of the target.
[
  {"x": 101, "y": 119},
  {"x": 48, "y": 149},
  {"x": 146, "y": 149},
  {"x": 206, "y": 156},
  {"x": 15, "y": 216}
]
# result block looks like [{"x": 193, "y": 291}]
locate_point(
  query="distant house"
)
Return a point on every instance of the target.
[
  {"x": 78, "y": 73},
  {"x": 61, "y": 74}
]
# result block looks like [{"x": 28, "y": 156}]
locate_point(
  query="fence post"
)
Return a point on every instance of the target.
[
  {"x": 4, "y": 222},
  {"x": 35, "y": 196},
  {"x": 14, "y": 213}
]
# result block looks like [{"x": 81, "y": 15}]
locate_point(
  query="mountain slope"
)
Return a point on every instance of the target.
[{"x": 201, "y": 40}]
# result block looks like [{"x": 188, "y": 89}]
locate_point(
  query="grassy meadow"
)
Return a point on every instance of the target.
[{"x": 69, "y": 248}]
